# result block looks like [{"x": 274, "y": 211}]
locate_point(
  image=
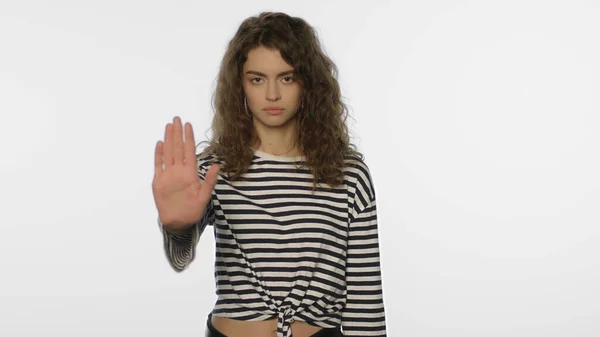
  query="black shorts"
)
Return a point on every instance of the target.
[{"x": 211, "y": 331}]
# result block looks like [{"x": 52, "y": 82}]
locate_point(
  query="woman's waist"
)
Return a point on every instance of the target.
[{"x": 236, "y": 328}]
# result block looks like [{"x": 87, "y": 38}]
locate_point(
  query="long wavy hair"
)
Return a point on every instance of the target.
[{"x": 323, "y": 133}]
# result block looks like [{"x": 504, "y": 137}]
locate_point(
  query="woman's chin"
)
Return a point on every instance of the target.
[{"x": 274, "y": 121}]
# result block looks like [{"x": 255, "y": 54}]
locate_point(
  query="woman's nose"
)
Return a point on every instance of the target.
[{"x": 273, "y": 92}]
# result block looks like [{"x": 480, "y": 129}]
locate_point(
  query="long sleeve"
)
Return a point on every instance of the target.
[
  {"x": 180, "y": 250},
  {"x": 364, "y": 313}
]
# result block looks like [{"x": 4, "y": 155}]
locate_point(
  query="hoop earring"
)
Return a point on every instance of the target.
[{"x": 246, "y": 108}]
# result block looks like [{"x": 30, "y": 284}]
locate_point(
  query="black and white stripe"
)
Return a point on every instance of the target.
[{"x": 286, "y": 252}]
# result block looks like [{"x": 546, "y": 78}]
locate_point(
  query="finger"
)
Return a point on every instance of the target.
[
  {"x": 158, "y": 160},
  {"x": 177, "y": 141},
  {"x": 190, "y": 145},
  {"x": 210, "y": 179},
  {"x": 168, "y": 146}
]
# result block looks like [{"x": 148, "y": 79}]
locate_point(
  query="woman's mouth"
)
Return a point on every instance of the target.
[{"x": 274, "y": 111}]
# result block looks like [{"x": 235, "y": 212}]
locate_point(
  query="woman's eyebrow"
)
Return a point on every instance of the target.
[{"x": 287, "y": 72}]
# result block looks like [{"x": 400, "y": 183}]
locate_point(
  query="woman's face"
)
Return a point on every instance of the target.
[{"x": 269, "y": 82}]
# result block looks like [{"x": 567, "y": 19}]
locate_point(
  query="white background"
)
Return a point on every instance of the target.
[{"x": 479, "y": 120}]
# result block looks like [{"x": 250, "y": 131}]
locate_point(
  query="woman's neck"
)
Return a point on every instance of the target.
[{"x": 278, "y": 142}]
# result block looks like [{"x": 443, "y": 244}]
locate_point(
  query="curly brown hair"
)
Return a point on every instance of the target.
[{"x": 323, "y": 133}]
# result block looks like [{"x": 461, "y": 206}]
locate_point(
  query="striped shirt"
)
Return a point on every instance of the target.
[{"x": 286, "y": 252}]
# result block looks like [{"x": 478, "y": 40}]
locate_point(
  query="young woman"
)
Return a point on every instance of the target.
[{"x": 291, "y": 202}]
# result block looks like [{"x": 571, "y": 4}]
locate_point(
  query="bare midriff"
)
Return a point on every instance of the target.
[{"x": 236, "y": 328}]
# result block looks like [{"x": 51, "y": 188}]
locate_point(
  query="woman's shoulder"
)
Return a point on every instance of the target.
[
  {"x": 356, "y": 165},
  {"x": 355, "y": 161},
  {"x": 204, "y": 160},
  {"x": 359, "y": 174}
]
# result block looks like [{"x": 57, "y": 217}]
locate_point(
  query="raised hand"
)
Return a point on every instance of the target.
[{"x": 179, "y": 193}]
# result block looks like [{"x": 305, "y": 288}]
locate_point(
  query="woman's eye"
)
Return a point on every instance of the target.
[{"x": 287, "y": 79}]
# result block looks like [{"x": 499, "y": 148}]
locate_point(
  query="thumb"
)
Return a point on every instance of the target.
[{"x": 210, "y": 179}]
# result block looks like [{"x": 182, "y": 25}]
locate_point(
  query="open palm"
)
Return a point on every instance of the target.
[{"x": 180, "y": 196}]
